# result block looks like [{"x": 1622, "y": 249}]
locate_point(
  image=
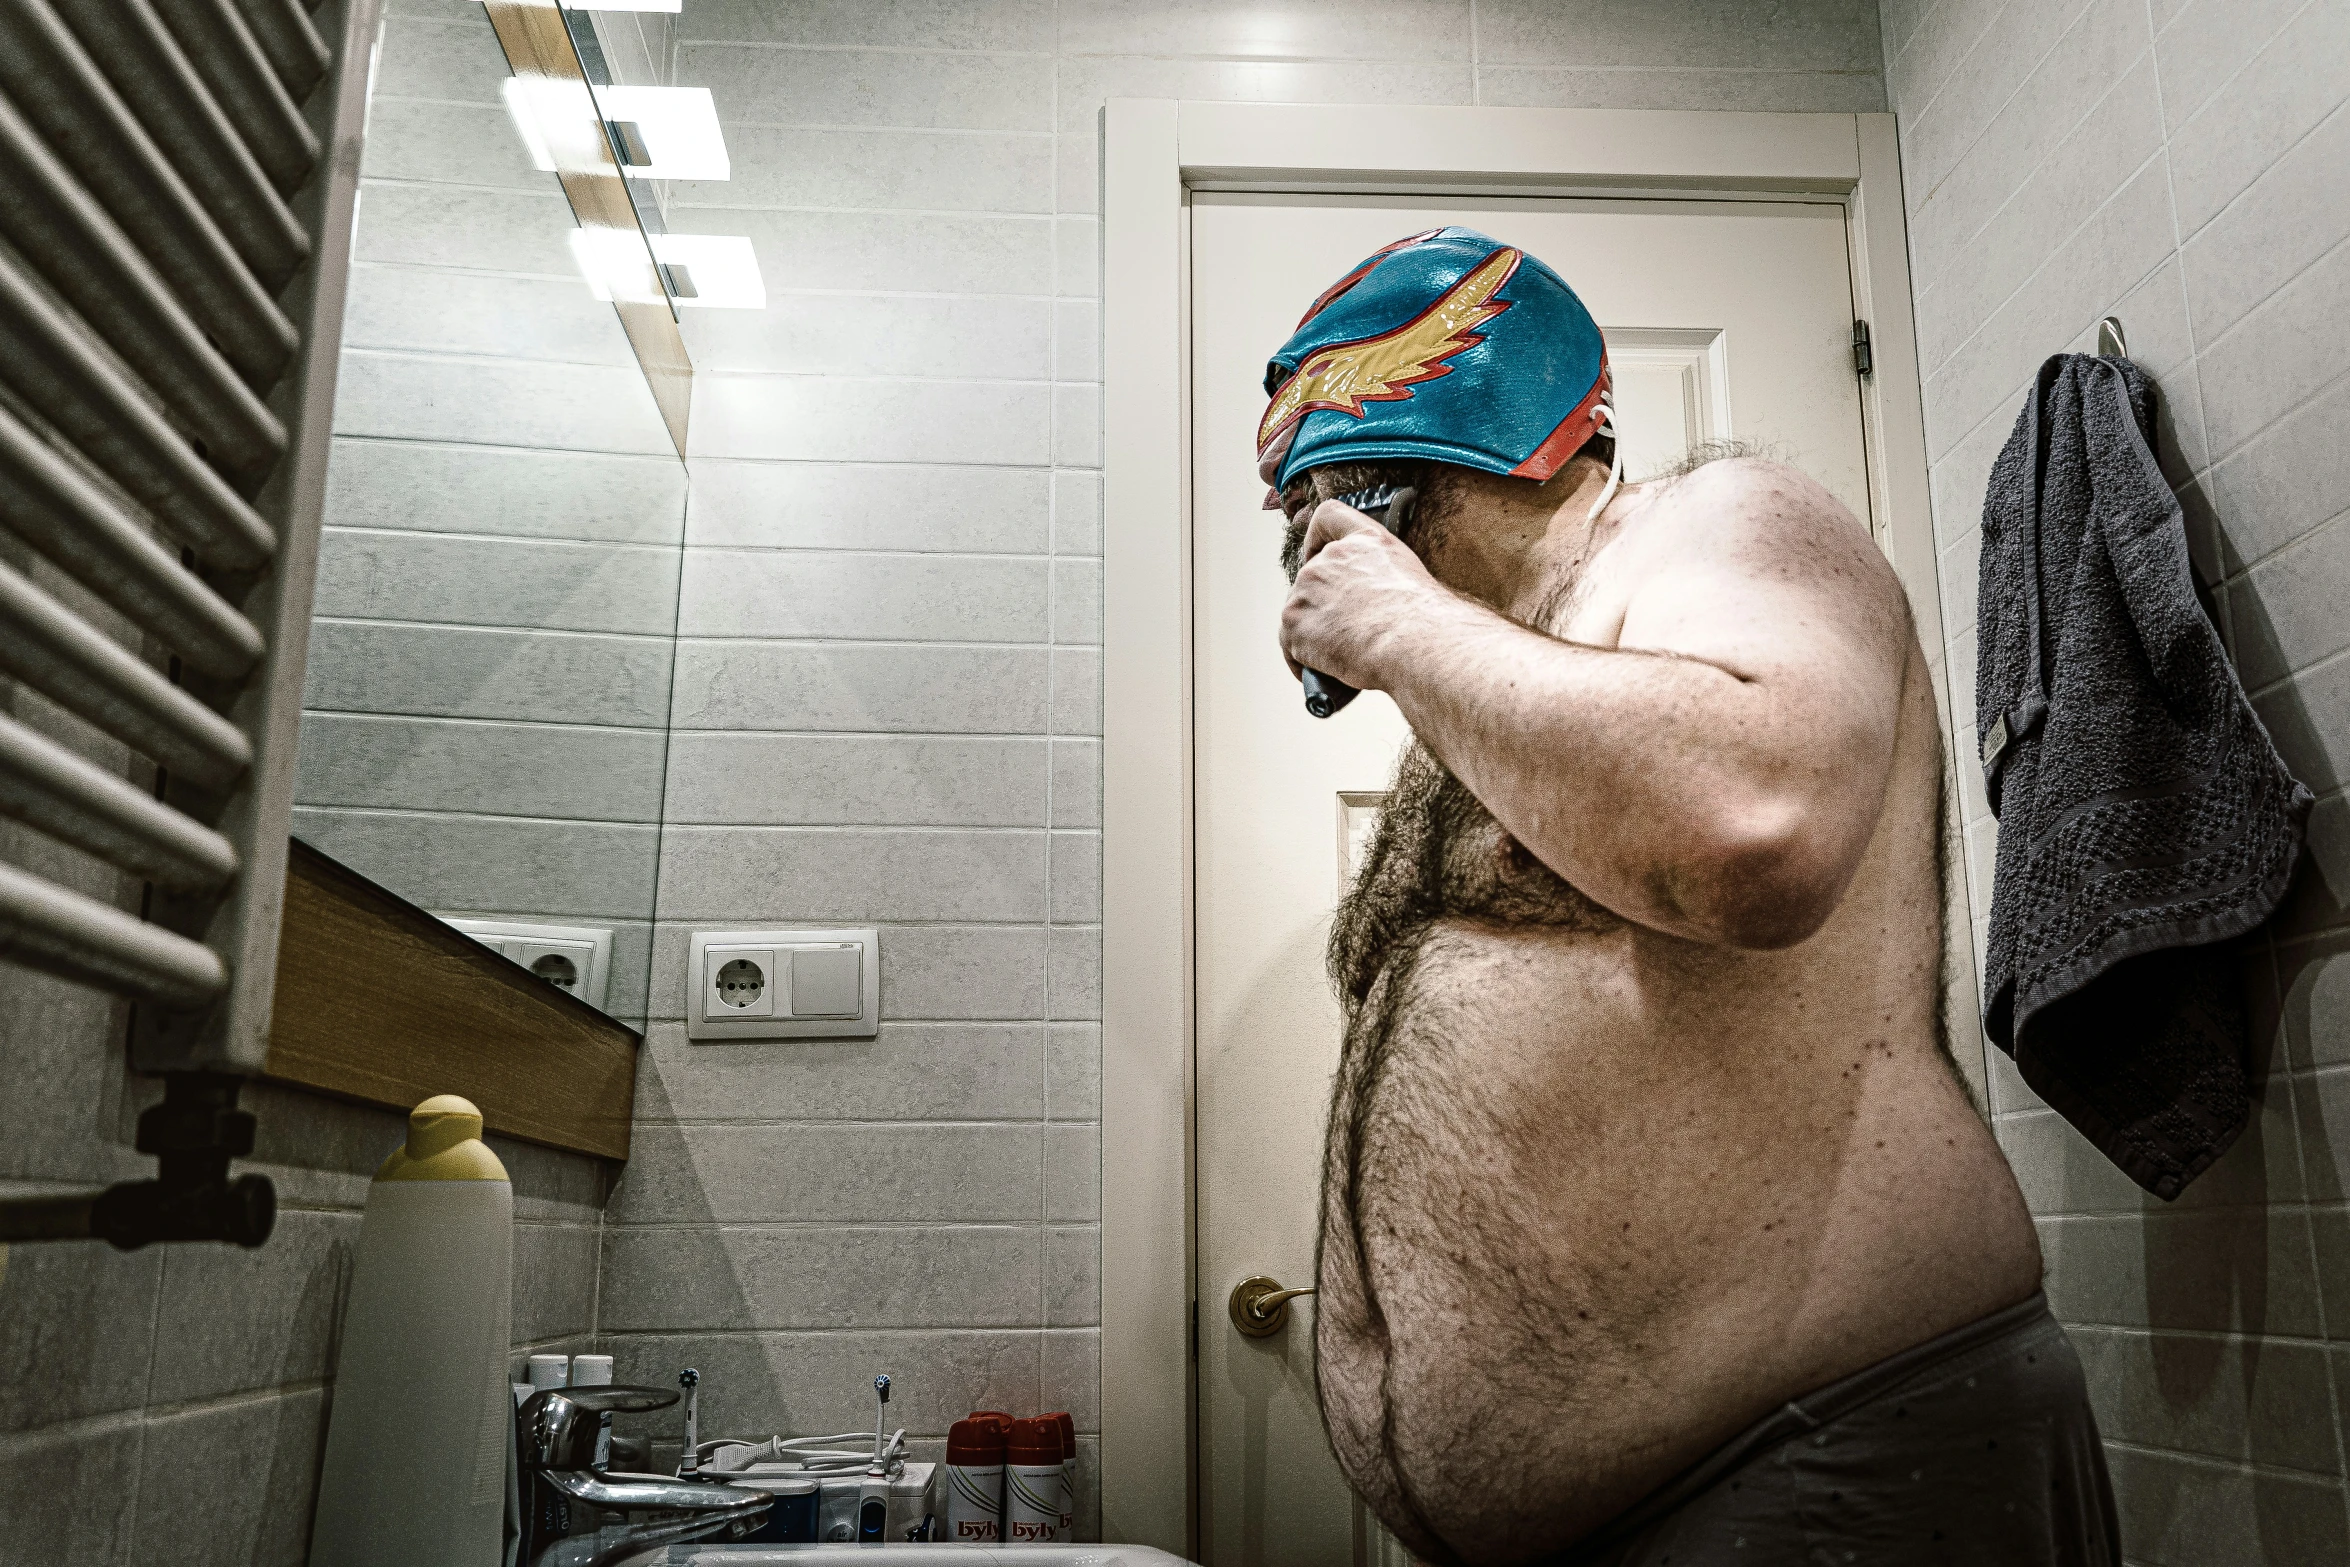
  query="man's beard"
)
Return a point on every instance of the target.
[
  {"x": 1293, "y": 541},
  {"x": 1316, "y": 485}
]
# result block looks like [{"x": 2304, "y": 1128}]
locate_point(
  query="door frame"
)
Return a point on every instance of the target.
[{"x": 1155, "y": 154}]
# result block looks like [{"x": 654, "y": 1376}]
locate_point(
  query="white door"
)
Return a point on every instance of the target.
[{"x": 1722, "y": 319}]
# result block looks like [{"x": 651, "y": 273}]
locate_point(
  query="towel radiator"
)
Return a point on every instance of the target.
[{"x": 177, "y": 186}]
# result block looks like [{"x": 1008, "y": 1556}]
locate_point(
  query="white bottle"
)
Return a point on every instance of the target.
[{"x": 417, "y": 1446}]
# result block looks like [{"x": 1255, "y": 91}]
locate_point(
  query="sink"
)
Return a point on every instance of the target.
[{"x": 905, "y": 1556}]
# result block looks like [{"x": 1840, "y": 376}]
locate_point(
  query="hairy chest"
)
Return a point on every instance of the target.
[{"x": 1439, "y": 854}]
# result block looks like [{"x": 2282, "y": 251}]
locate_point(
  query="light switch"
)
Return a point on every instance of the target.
[
  {"x": 783, "y": 984},
  {"x": 824, "y": 981}
]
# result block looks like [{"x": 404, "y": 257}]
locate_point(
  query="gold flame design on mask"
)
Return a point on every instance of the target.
[{"x": 1383, "y": 369}]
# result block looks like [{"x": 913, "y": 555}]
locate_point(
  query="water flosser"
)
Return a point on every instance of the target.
[{"x": 873, "y": 1495}]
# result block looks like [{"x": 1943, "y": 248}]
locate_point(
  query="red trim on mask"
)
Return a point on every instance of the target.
[{"x": 1569, "y": 438}]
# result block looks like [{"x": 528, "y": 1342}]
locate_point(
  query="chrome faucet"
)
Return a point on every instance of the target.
[{"x": 577, "y": 1514}]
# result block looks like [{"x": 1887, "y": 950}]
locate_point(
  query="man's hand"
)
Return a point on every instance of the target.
[{"x": 1359, "y": 587}]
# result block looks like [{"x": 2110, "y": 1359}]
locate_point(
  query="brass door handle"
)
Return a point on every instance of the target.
[{"x": 1260, "y": 1306}]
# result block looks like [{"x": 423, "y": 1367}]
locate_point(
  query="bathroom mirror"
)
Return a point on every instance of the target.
[{"x": 485, "y": 720}]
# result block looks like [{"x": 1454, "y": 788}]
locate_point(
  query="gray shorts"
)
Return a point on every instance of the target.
[{"x": 1972, "y": 1449}]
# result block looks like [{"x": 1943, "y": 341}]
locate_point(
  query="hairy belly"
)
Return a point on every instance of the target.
[{"x": 1583, "y": 1224}]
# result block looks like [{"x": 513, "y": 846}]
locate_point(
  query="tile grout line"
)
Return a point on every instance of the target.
[
  {"x": 2170, "y": 177},
  {"x": 1917, "y": 26},
  {"x": 2308, "y": 1219},
  {"x": 1990, "y": 26},
  {"x": 2048, "y": 258},
  {"x": 1476, "y": 59},
  {"x": 2283, "y": 152},
  {"x": 2257, "y": 306},
  {"x": 1052, "y": 715},
  {"x": 1957, "y": 244},
  {"x": 146, "y": 1412}
]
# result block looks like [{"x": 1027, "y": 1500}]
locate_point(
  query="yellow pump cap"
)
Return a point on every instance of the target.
[{"x": 444, "y": 1144}]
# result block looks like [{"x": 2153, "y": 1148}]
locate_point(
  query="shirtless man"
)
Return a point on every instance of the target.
[{"x": 1656, "y": 1224}]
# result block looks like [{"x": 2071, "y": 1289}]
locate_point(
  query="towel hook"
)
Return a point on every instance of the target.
[{"x": 2110, "y": 342}]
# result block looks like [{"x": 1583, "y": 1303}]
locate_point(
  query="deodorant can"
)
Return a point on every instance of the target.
[
  {"x": 975, "y": 1482},
  {"x": 1032, "y": 1483},
  {"x": 1068, "y": 1426}
]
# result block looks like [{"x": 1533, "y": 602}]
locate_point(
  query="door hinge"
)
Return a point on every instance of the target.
[{"x": 1864, "y": 360}]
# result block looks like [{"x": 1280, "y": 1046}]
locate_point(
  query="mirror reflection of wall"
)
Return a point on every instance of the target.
[{"x": 485, "y": 719}]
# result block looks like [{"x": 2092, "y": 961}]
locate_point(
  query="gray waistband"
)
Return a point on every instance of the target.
[{"x": 1801, "y": 1416}]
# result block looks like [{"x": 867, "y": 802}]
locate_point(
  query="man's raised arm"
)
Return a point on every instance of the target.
[{"x": 1718, "y": 772}]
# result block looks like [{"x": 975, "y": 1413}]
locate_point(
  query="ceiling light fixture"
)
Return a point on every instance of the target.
[
  {"x": 656, "y": 133},
  {"x": 713, "y": 271},
  {"x": 666, "y": 133},
  {"x": 704, "y": 271}
]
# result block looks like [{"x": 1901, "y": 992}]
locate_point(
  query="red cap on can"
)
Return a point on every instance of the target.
[
  {"x": 975, "y": 1441},
  {"x": 994, "y": 1417},
  {"x": 1035, "y": 1442},
  {"x": 1061, "y": 1418}
]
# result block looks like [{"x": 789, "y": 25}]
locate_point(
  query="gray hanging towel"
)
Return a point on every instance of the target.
[{"x": 2144, "y": 816}]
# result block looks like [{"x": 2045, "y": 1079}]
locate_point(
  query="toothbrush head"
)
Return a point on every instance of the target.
[
  {"x": 881, "y": 1386},
  {"x": 689, "y": 1379}
]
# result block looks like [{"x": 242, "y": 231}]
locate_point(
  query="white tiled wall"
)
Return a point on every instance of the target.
[
  {"x": 2179, "y": 163},
  {"x": 888, "y": 697},
  {"x": 490, "y": 661}
]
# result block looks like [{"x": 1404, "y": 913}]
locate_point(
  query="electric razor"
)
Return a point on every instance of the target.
[{"x": 1390, "y": 506}]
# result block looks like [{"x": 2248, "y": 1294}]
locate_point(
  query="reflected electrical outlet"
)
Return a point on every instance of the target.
[{"x": 576, "y": 959}]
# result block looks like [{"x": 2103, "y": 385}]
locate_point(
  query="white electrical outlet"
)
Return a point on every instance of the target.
[
  {"x": 738, "y": 981},
  {"x": 783, "y": 984},
  {"x": 576, "y": 959}
]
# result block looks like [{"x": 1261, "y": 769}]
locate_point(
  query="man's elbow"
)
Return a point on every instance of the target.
[{"x": 1767, "y": 880}]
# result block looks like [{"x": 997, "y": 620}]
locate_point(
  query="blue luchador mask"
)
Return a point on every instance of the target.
[{"x": 1449, "y": 346}]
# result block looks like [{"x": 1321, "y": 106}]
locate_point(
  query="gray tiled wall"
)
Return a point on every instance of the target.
[
  {"x": 2178, "y": 163},
  {"x": 888, "y": 673},
  {"x": 489, "y": 670}
]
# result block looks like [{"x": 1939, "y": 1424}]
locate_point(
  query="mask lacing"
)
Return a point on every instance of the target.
[{"x": 1604, "y": 415}]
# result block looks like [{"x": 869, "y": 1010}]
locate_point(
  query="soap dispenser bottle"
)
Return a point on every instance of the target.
[{"x": 417, "y": 1444}]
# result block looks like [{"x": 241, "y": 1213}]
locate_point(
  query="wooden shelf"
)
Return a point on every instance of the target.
[{"x": 379, "y": 1001}]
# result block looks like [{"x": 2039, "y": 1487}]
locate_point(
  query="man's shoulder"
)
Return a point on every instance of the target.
[
  {"x": 1753, "y": 506},
  {"x": 1757, "y": 530}
]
